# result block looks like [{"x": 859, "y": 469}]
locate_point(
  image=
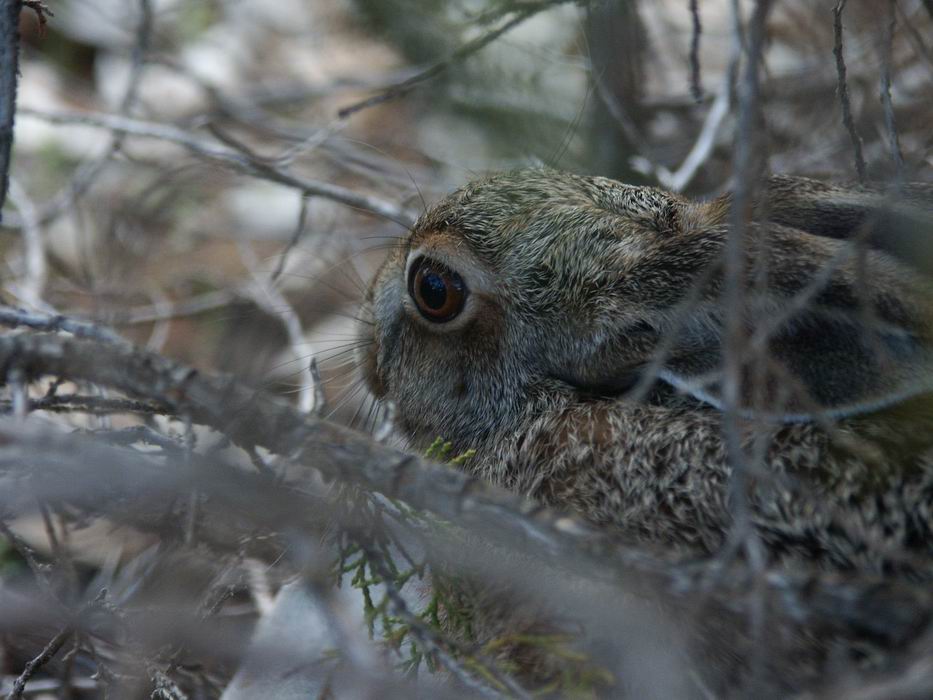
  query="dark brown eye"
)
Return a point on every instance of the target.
[{"x": 438, "y": 293}]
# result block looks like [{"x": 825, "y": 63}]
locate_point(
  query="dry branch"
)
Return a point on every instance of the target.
[
  {"x": 235, "y": 159},
  {"x": 522, "y": 13},
  {"x": 254, "y": 419},
  {"x": 886, "y": 48},
  {"x": 51, "y": 649},
  {"x": 696, "y": 85},
  {"x": 9, "y": 74},
  {"x": 14, "y": 318},
  {"x": 251, "y": 418}
]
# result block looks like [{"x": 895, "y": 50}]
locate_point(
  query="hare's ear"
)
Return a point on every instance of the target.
[
  {"x": 829, "y": 334},
  {"x": 899, "y": 222},
  {"x": 818, "y": 365}
]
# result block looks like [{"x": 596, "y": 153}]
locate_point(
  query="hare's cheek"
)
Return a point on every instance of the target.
[
  {"x": 367, "y": 349},
  {"x": 369, "y": 368},
  {"x": 378, "y": 359}
]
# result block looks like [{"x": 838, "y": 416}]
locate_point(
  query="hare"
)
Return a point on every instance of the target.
[{"x": 571, "y": 331}]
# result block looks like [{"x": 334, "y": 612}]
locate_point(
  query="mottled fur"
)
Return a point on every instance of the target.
[{"x": 574, "y": 282}]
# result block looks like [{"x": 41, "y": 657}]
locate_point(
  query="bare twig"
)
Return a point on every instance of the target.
[
  {"x": 232, "y": 159},
  {"x": 42, "y": 12},
  {"x": 886, "y": 50},
  {"x": 14, "y": 318},
  {"x": 843, "y": 90},
  {"x": 36, "y": 271},
  {"x": 154, "y": 313},
  {"x": 696, "y": 87},
  {"x": 85, "y": 175},
  {"x": 94, "y": 405},
  {"x": 9, "y": 74},
  {"x": 706, "y": 141},
  {"x": 525, "y": 12},
  {"x": 39, "y": 570},
  {"x": 743, "y": 536},
  {"x": 268, "y": 297},
  {"x": 252, "y": 418},
  {"x": 300, "y": 228},
  {"x": 50, "y": 650}
]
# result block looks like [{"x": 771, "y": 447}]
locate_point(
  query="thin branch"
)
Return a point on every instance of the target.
[
  {"x": 93, "y": 405},
  {"x": 50, "y": 650},
  {"x": 76, "y": 467},
  {"x": 251, "y": 417},
  {"x": 154, "y": 313},
  {"x": 9, "y": 75},
  {"x": 887, "y": 47},
  {"x": 86, "y": 174},
  {"x": 39, "y": 570},
  {"x": 843, "y": 91},
  {"x": 746, "y": 163},
  {"x": 706, "y": 141},
  {"x": 471, "y": 47},
  {"x": 702, "y": 148},
  {"x": 42, "y": 12},
  {"x": 14, "y": 318},
  {"x": 696, "y": 87},
  {"x": 36, "y": 272},
  {"x": 300, "y": 228},
  {"x": 268, "y": 297},
  {"x": 233, "y": 159}
]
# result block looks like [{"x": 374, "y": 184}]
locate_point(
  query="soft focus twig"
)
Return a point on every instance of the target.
[
  {"x": 268, "y": 297},
  {"x": 252, "y": 418},
  {"x": 234, "y": 159},
  {"x": 92, "y": 405},
  {"x": 155, "y": 313},
  {"x": 14, "y": 318},
  {"x": 51, "y": 649},
  {"x": 9, "y": 74},
  {"x": 696, "y": 86},
  {"x": 843, "y": 90},
  {"x": 886, "y": 49},
  {"x": 36, "y": 268},
  {"x": 525, "y": 12},
  {"x": 42, "y": 12},
  {"x": 87, "y": 173},
  {"x": 746, "y": 163},
  {"x": 300, "y": 227}
]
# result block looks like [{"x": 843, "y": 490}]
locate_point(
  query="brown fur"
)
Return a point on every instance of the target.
[{"x": 576, "y": 282}]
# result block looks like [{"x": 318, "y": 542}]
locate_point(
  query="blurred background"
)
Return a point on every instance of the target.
[
  {"x": 167, "y": 152},
  {"x": 218, "y": 179}
]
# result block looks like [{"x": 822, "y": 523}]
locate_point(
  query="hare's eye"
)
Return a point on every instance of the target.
[{"x": 438, "y": 293}]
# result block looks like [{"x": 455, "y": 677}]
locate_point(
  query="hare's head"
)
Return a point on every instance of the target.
[{"x": 534, "y": 285}]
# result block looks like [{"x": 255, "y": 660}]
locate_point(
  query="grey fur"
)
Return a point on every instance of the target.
[{"x": 574, "y": 283}]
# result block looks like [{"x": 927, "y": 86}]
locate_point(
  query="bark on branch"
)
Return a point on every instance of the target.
[{"x": 253, "y": 419}]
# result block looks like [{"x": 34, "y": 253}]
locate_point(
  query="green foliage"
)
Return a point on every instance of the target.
[
  {"x": 194, "y": 18},
  {"x": 450, "y": 613},
  {"x": 439, "y": 450}
]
